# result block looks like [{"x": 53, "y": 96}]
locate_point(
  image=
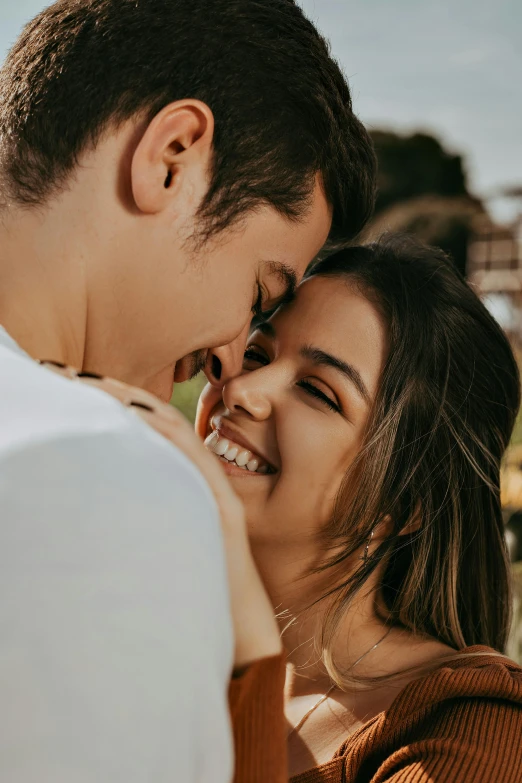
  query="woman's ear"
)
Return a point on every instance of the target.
[
  {"x": 385, "y": 526},
  {"x": 415, "y": 522},
  {"x": 172, "y": 158}
]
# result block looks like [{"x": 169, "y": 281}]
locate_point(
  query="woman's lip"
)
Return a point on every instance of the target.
[
  {"x": 227, "y": 432},
  {"x": 231, "y": 469}
]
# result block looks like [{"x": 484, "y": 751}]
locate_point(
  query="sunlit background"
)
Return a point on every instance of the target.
[{"x": 439, "y": 84}]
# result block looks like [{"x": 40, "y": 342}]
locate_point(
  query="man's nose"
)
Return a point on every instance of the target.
[{"x": 226, "y": 362}]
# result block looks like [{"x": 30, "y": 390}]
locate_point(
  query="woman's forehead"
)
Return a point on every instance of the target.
[
  {"x": 330, "y": 306},
  {"x": 336, "y": 318}
]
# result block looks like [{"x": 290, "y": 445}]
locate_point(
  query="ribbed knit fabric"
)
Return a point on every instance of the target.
[{"x": 460, "y": 724}]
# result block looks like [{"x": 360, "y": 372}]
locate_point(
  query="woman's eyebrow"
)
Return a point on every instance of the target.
[
  {"x": 266, "y": 328},
  {"x": 324, "y": 359}
]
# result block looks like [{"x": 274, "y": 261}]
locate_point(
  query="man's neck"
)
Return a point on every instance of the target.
[{"x": 43, "y": 302}]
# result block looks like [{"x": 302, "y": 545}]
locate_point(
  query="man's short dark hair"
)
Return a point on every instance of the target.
[{"x": 282, "y": 107}]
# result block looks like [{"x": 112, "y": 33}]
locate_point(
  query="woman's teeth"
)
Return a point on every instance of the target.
[{"x": 227, "y": 449}]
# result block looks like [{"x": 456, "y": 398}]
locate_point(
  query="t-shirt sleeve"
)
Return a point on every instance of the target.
[{"x": 116, "y": 641}]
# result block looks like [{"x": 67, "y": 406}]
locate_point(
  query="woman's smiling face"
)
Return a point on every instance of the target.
[{"x": 301, "y": 405}]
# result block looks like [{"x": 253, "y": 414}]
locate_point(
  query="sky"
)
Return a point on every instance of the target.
[{"x": 453, "y": 67}]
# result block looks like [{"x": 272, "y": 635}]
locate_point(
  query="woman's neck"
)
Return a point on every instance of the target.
[{"x": 297, "y": 597}]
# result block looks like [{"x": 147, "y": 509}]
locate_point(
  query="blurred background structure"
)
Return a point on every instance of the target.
[{"x": 439, "y": 85}]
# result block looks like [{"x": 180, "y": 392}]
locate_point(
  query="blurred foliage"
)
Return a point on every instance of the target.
[
  {"x": 514, "y": 648},
  {"x": 444, "y": 222},
  {"x": 517, "y": 432},
  {"x": 422, "y": 190},
  {"x": 513, "y": 191},
  {"x": 413, "y": 166},
  {"x": 186, "y": 396}
]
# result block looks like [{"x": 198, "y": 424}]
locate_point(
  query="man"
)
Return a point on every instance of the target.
[{"x": 166, "y": 170}]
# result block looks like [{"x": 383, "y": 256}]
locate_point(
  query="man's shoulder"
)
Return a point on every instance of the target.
[
  {"x": 37, "y": 404},
  {"x": 78, "y": 436}
]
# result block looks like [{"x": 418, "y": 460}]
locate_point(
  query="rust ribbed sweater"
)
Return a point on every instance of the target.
[{"x": 460, "y": 724}]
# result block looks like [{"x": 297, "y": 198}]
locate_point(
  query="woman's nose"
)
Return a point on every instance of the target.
[
  {"x": 226, "y": 362},
  {"x": 246, "y": 394}
]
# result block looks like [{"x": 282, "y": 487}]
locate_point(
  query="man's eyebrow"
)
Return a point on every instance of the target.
[
  {"x": 288, "y": 277},
  {"x": 324, "y": 359}
]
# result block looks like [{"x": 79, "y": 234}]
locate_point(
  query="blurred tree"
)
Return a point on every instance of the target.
[
  {"x": 413, "y": 166},
  {"x": 444, "y": 222},
  {"x": 186, "y": 396},
  {"x": 422, "y": 190},
  {"x": 512, "y": 191}
]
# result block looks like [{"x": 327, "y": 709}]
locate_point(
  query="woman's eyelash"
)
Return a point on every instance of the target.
[
  {"x": 255, "y": 356},
  {"x": 315, "y": 392}
]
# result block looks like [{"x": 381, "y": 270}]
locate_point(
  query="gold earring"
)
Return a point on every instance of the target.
[{"x": 365, "y": 556}]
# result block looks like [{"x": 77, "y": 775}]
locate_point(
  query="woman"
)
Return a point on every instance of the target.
[{"x": 364, "y": 438}]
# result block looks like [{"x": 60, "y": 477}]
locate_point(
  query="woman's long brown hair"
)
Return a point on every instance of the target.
[{"x": 442, "y": 419}]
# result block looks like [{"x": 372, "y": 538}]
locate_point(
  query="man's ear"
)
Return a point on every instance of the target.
[{"x": 176, "y": 145}]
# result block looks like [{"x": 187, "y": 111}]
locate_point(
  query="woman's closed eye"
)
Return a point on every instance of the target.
[
  {"x": 253, "y": 357},
  {"x": 314, "y": 391}
]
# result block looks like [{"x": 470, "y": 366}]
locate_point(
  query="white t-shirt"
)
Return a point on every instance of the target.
[{"x": 115, "y": 630}]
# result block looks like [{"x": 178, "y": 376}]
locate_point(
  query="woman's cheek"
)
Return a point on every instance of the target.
[
  {"x": 210, "y": 397},
  {"x": 313, "y": 472}
]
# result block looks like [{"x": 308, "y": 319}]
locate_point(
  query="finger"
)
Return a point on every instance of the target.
[
  {"x": 168, "y": 422},
  {"x": 60, "y": 369},
  {"x": 133, "y": 396},
  {"x": 128, "y": 395}
]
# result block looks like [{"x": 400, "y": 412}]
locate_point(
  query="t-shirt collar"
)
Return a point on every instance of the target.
[{"x": 7, "y": 341}]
